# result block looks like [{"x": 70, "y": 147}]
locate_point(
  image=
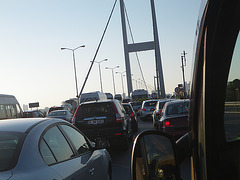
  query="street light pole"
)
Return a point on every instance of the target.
[
  {"x": 122, "y": 81},
  {"x": 74, "y": 66},
  {"x": 99, "y": 68},
  {"x": 113, "y": 77}
]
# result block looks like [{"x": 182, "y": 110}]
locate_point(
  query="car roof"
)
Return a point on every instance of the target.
[
  {"x": 22, "y": 124},
  {"x": 59, "y": 110},
  {"x": 98, "y": 101},
  {"x": 32, "y": 111},
  {"x": 177, "y": 101}
]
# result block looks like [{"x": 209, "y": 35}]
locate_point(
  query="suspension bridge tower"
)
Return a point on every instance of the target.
[{"x": 143, "y": 46}]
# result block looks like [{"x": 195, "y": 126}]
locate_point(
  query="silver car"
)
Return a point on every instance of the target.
[
  {"x": 50, "y": 149},
  {"x": 147, "y": 109}
]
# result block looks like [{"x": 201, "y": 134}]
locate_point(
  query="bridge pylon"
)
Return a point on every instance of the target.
[{"x": 143, "y": 46}]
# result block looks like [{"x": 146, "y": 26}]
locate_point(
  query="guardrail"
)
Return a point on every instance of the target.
[{"x": 233, "y": 106}]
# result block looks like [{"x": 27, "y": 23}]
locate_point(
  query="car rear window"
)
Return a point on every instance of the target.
[
  {"x": 10, "y": 145},
  {"x": 27, "y": 114},
  {"x": 150, "y": 103},
  {"x": 57, "y": 113},
  {"x": 95, "y": 109},
  {"x": 177, "y": 108},
  {"x": 128, "y": 108}
]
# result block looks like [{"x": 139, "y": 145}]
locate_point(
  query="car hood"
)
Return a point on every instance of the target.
[{"x": 5, "y": 175}]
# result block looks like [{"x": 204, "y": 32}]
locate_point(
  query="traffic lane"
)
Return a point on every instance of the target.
[{"x": 121, "y": 160}]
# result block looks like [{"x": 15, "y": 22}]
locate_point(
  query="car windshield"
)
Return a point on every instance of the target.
[
  {"x": 58, "y": 113},
  {"x": 177, "y": 108},
  {"x": 10, "y": 144},
  {"x": 27, "y": 114}
]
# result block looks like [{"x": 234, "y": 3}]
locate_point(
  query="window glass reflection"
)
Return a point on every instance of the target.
[{"x": 232, "y": 102}]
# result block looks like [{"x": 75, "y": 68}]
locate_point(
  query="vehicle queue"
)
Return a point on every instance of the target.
[{"x": 98, "y": 121}]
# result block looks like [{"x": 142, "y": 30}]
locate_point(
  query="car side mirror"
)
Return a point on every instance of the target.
[
  {"x": 101, "y": 143},
  {"x": 154, "y": 157}
]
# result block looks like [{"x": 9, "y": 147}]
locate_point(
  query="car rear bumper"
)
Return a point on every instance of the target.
[
  {"x": 176, "y": 132},
  {"x": 110, "y": 134}
]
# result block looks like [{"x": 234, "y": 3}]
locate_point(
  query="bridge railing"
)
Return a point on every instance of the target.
[{"x": 233, "y": 106}]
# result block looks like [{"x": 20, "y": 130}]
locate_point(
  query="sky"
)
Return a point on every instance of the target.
[{"x": 35, "y": 69}]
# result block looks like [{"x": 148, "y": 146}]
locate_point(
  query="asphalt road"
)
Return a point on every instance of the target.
[{"x": 121, "y": 159}]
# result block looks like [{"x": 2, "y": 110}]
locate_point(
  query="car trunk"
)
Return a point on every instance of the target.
[{"x": 97, "y": 120}]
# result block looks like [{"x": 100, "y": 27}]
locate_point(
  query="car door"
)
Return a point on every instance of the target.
[
  {"x": 94, "y": 163},
  {"x": 60, "y": 156},
  {"x": 214, "y": 114}
]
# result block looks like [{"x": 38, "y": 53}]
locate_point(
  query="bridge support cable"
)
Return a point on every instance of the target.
[{"x": 99, "y": 45}]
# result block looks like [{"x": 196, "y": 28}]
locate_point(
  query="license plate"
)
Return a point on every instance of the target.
[{"x": 94, "y": 122}]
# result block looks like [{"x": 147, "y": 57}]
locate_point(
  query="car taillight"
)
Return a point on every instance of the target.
[
  {"x": 118, "y": 116},
  {"x": 167, "y": 124},
  {"x": 131, "y": 115},
  {"x": 143, "y": 109}
]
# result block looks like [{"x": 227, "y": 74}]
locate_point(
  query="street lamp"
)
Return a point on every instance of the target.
[
  {"x": 74, "y": 66},
  {"x": 99, "y": 62},
  {"x": 122, "y": 80},
  {"x": 113, "y": 76}
]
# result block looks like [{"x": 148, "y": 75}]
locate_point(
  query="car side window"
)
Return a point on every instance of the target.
[
  {"x": 46, "y": 153},
  {"x": 77, "y": 139},
  {"x": 58, "y": 145},
  {"x": 232, "y": 101}
]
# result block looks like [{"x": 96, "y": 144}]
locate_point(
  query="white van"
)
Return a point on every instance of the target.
[
  {"x": 9, "y": 107},
  {"x": 92, "y": 96}
]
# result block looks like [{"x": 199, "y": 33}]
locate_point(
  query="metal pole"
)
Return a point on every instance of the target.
[
  {"x": 74, "y": 64},
  {"x": 183, "y": 64},
  {"x": 113, "y": 83},
  {"x": 113, "y": 77},
  {"x": 100, "y": 76}
]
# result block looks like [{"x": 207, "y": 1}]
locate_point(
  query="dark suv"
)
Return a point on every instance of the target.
[{"x": 104, "y": 119}]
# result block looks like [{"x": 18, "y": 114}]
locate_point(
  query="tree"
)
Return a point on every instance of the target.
[{"x": 232, "y": 91}]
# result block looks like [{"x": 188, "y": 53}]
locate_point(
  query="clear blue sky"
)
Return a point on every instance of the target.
[{"x": 34, "y": 69}]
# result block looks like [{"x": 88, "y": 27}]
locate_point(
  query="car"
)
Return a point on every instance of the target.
[
  {"x": 9, "y": 107},
  {"x": 174, "y": 118},
  {"x": 33, "y": 113},
  {"x": 134, "y": 122},
  {"x": 118, "y": 97},
  {"x": 105, "y": 119},
  {"x": 147, "y": 109},
  {"x": 54, "y": 108},
  {"x": 213, "y": 140},
  {"x": 136, "y": 106},
  {"x": 61, "y": 114},
  {"x": 43, "y": 148},
  {"x": 157, "y": 112}
]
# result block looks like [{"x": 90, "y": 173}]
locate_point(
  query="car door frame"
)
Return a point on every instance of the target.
[{"x": 212, "y": 157}]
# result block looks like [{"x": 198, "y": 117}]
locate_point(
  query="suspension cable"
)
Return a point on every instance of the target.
[
  {"x": 133, "y": 43},
  {"x": 97, "y": 49}
]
